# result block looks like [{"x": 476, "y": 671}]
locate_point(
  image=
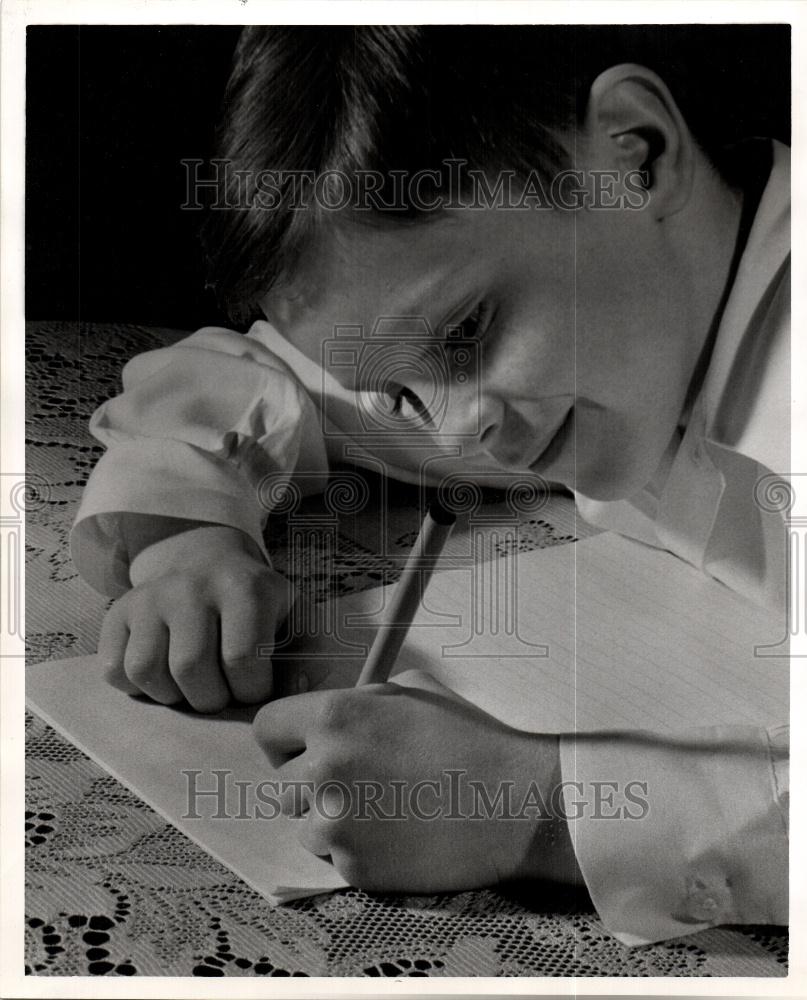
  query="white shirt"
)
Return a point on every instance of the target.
[
  {"x": 200, "y": 425},
  {"x": 714, "y": 848}
]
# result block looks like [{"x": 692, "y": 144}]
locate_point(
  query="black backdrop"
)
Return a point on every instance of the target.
[{"x": 111, "y": 112}]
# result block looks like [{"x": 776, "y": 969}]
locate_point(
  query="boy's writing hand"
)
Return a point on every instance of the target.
[
  {"x": 201, "y": 603},
  {"x": 371, "y": 780}
]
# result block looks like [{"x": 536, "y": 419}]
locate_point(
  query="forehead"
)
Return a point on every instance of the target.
[{"x": 395, "y": 264}]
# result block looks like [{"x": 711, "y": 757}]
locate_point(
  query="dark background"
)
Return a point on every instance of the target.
[{"x": 112, "y": 110}]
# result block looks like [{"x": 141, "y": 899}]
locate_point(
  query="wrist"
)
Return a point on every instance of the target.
[
  {"x": 199, "y": 546},
  {"x": 547, "y": 851}
]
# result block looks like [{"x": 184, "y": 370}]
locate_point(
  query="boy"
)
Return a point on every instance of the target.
[{"x": 627, "y": 293}]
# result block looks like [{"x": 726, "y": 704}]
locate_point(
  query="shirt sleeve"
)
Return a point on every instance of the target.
[
  {"x": 204, "y": 430},
  {"x": 691, "y": 831}
]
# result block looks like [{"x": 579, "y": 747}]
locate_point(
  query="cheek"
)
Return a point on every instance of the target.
[
  {"x": 532, "y": 349},
  {"x": 631, "y": 332}
]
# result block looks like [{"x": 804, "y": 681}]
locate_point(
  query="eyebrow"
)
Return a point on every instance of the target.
[{"x": 457, "y": 297}]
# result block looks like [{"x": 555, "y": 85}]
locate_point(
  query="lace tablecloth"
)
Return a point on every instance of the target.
[{"x": 112, "y": 889}]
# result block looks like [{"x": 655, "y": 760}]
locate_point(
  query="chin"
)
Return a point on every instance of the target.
[{"x": 609, "y": 481}]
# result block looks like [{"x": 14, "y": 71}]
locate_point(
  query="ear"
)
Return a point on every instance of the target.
[{"x": 633, "y": 124}]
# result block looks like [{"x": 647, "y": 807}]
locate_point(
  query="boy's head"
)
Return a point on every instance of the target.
[{"x": 426, "y": 172}]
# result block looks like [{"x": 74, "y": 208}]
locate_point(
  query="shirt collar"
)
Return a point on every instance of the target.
[{"x": 766, "y": 252}]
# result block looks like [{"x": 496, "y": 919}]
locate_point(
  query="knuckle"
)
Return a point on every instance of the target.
[
  {"x": 333, "y": 768},
  {"x": 242, "y": 662},
  {"x": 318, "y": 771},
  {"x": 140, "y": 670},
  {"x": 185, "y": 669},
  {"x": 238, "y": 579},
  {"x": 337, "y": 710},
  {"x": 178, "y": 587},
  {"x": 142, "y": 604},
  {"x": 228, "y": 580}
]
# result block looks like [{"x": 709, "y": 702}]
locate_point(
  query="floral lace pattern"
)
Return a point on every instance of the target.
[{"x": 112, "y": 889}]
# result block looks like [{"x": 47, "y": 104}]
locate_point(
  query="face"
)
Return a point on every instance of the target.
[{"x": 586, "y": 341}]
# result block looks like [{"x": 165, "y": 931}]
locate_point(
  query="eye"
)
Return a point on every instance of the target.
[
  {"x": 408, "y": 405},
  {"x": 475, "y": 322}
]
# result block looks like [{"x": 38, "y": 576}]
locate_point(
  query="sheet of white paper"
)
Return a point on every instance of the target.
[
  {"x": 153, "y": 750},
  {"x": 633, "y": 637},
  {"x": 602, "y": 634}
]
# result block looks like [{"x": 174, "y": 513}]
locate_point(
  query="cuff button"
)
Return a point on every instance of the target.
[{"x": 706, "y": 900}]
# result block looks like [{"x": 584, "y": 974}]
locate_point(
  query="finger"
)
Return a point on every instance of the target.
[
  {"x": 193, "y": 659},
  {"x": 314, "y": 835},
  {"x": 282, "y": 727},
  {"x": 112, "y": 646},
  {"x": 146, "y": 662},
  {"x": 352, "y": 868},
  {"x": 246, "y": 652},
  {"x": 324, "y": 825}
]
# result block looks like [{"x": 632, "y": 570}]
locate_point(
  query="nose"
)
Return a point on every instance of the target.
[{"x": 507, "y": 437}]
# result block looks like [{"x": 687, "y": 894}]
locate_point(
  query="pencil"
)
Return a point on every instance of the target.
[{"x": 406, "y": 597}]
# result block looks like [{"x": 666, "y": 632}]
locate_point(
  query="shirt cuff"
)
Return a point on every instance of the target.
[
  {"x": 162, "y": 478},
  {"x": 674, "y": 834}
]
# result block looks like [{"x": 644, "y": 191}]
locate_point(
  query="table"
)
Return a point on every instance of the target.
[{"x": 112, "y": 889}]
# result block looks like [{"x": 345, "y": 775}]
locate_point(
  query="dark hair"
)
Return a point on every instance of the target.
[{"x": 409, "y": 98}]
